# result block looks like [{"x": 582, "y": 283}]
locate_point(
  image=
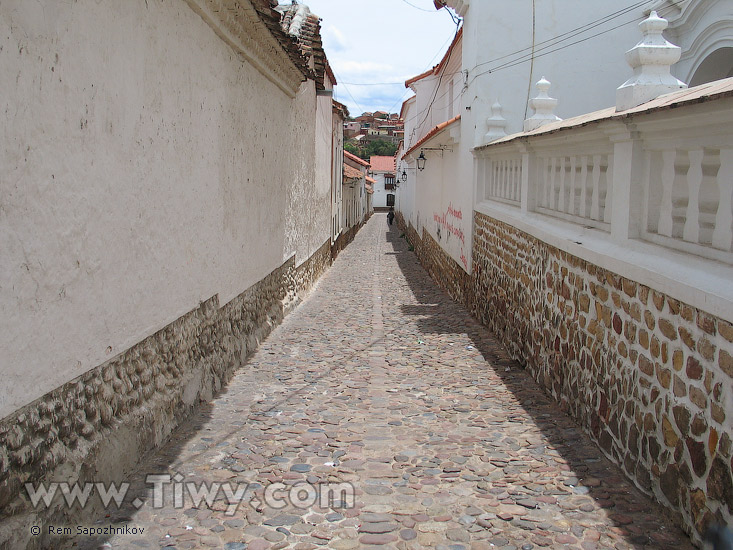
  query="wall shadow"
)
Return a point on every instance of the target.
[{"x": 634, "y": 515}]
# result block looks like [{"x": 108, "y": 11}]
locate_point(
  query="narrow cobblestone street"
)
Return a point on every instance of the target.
[{"x": 378, "y": 379}]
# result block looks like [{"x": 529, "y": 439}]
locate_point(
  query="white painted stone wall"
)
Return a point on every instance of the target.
[
  {"x": 440, "y": 198},
  {"x": 379, "y": 198},
  {"x": 703, "y": 29},
  {"x": 586, "y": 68},
  {"x": 144, "y": 167}
]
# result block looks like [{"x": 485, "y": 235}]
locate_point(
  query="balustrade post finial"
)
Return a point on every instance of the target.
[
  {"x": 651, "y": 60},
  {"x": 496, "y": 124},
  {"x": 543, "y": 106}
]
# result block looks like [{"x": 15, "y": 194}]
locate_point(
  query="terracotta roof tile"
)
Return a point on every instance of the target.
[
  {"x": 352, "y": 173},
  {"x": 271, "y": 18},
  {"x": 709, "y": 91},
  {"x": 355, "y": 159},
  {"x": 382, "y": 163},
  {"x": 299, "y": 22},
  {"x": 439, "y": 128}
]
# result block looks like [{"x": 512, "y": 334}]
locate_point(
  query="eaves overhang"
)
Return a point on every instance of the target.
[{"x": 255, "y": 34}]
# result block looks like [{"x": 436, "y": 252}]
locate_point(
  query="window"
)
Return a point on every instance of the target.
[
  {"x": 389, "y": 182},
  {"x": 390, "y": 199}
]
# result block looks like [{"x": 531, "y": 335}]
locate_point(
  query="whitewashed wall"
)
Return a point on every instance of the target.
[
  {"x": 586, "y": 68},
  {"x": 379, "y": 198},
  {"x": 144, "y": 167},
  {"x": 440, "y": 197}
]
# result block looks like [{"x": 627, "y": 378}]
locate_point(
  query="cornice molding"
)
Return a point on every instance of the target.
[{"x": 238, "y": 23}]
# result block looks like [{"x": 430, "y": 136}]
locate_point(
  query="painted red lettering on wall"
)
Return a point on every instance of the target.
[{"x": 447, "y": 224}]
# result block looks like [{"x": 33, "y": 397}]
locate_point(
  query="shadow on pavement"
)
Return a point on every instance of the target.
[{"x": 634, "y": 515}]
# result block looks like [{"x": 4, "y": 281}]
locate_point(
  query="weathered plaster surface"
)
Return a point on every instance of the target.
[
  {"x": 144, "y": 167},
  {"x": 97, "y": 426}
]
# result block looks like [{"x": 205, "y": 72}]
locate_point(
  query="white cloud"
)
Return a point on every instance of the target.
[
  {"x": 373, "y": 41},
  {"x": 333, "y": 39}
]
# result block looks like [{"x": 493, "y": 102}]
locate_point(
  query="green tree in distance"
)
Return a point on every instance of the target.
[{"x": 378, "y": 147}]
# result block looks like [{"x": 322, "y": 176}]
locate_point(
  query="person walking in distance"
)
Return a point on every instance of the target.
[{"x": 390, "y": 215}]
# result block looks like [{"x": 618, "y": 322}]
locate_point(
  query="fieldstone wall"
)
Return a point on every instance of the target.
[
  {"x": 344, "y": 239},
  {"x": 647, "y": 376},
  {"x": 444, "y": 270},
  {"x": 306, "y": 274},
  {"x": 97, "y": 426}
]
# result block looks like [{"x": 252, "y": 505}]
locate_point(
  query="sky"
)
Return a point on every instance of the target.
[{"x": 371, "y": 42}]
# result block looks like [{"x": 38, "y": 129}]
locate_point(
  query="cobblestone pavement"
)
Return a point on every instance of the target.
[{"x": 378, "y": 380}]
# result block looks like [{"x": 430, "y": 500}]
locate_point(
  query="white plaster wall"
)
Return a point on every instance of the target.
[
  {"x": 700, "y": 28},
  {"x": 405, "y": 199},
  {"x": 584, "y": 76},
  {"x": 379, "y": 198},
  {"x": 143, "y": 168},
  {"x": 337, "y": 170}
]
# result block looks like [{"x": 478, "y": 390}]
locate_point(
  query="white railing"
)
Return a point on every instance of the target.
[
  {"x": 664, "y": 177},
  {"x": 501, "y": 178},
  {"x": 576, "y": 188},
  {"x": 688, "y": 198}
]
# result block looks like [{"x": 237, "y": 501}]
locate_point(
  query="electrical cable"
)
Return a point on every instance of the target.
[
  {"x": 572, "y": 33},
  {"x": 524, "y": 59},
  {"x": 418, "y": 8},
  {"x": 550, "y": 43}
]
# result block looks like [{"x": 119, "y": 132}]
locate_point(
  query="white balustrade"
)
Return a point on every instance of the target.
[
  {"x": 689, "y": 199},
  {"x": 576, "y": 188},
  {"x": 501, "y": 179},
  {"x": 675, "y": 188}
]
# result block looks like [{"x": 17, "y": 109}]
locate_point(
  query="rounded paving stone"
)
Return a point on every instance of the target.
[{"x": 377, "y": 379}]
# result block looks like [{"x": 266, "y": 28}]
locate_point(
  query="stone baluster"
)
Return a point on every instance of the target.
[
  {"x": 651, "y": 60},
  {"x": 595, "y": 206},
  {"x": 607, "y": 207},
  {"x": 583, "y": 186},
  {"x": 691, "y": 232},
  {"x": 573, "y": 185},
  {"x": 665, "y": 209},
  {"x": 543, "y": 106},
  {"x": 723, "y": 233},
  {"x": 561, "y": 186}
]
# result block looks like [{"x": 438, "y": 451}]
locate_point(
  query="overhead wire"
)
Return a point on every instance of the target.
[
  {"x": 571, "y": 33},
  {"x": 524, "y": 59},
  {"x": 550, "y": 43},
  {"x": 418, "y": 7}
]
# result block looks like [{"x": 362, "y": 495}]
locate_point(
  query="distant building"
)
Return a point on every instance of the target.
[{"x": 383, "y": 171}]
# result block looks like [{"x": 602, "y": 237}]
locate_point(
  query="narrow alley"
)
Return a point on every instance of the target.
[{"x": 380, "y": 381}]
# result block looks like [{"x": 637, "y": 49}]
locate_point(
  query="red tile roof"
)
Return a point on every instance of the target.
[
  {"x": 370, "y": 180},
  {"x": 439, "y": 128},
  {"x": 305, "y": 27},
  {"x": 382, "y": 163},
  {"x": 355, "y": 159},
  {"x": 437, "y": 68},
  {"x": 352, "y": 173},
  {"x": 340, "y": 108}
]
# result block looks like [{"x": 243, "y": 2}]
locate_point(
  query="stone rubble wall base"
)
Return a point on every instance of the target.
[
  {"x": 444, "y": 270},
  {"x": 98, "y": 426},
  {"x": 647, "y": 376},
  {"x": 345, "y": 238}
]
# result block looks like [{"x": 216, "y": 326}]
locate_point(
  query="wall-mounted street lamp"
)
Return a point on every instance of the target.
[
  {"x": 421, "y": 161},
  {"x": 403, "y": 177}
]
